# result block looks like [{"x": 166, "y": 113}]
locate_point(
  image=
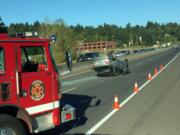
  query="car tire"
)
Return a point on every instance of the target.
[{"x": 11, "y": 125}]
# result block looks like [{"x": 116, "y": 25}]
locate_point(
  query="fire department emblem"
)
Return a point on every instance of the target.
[{"x": 37, "y": 90}]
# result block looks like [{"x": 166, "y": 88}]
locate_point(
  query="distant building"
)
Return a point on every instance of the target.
[{"x": 96, "y": 46}]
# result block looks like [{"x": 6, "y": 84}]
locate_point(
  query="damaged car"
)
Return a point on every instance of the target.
[{"x": 110, "y": 64}]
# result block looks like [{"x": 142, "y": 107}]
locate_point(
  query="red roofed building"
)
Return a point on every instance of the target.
[{"x": 100, "y": 46}]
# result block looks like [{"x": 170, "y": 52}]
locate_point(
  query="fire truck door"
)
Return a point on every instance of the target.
[{"x": 36, "y": 89}]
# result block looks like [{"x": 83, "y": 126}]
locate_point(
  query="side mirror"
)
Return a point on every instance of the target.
[{"x": 53, "y": 38}]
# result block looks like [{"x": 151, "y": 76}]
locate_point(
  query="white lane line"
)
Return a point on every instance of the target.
[
  {"x": 101, "y": 122},
  {"x": 69, "y": 90},
  {"x": 139, "y": 64},
  {"x": 171, "y": 61},
  {"x": 150, "y": 59},
  {"x": 78, "y": 81},
  {"x": 63, "y": 77}
]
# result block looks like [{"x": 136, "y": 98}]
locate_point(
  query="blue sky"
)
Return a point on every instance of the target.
[{"x": 91, "y": 12}]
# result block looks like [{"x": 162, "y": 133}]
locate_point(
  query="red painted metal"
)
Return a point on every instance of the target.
[
  {"x": 12, "y": 63},
  {"x": 4, "y": 35},
  {"x": 56, "y": 117}
]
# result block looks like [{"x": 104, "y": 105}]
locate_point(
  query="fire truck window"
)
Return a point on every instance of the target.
[
  {"x": 1, "y": 60},
  {"x": 33, "y": 59}
]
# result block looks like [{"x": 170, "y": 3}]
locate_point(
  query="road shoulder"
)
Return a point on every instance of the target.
[{"x": 152, "y": 111}]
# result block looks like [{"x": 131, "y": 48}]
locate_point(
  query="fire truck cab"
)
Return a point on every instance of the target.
[{"x": 30, "y": 90}]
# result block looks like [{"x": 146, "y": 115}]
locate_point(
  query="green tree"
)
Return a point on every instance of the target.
[
  {"x": 66, "y": 40},
  {"x": 3, "y": 28}
]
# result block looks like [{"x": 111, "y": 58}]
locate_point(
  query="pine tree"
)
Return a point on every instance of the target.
[{"x": 3, "y": 28}]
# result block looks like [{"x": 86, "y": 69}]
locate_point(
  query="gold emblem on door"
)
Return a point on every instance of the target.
[{"x": 37, "y": 90}]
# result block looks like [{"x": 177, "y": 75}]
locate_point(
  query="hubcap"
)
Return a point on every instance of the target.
[{"x": 6, "y": 131}]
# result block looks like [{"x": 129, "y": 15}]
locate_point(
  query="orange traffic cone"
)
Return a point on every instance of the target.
[
  {"x": 161, "y": 67},
  {"x": 136, "y": 89},
  {"x": 149, "y": 77},
  {"x": 155, "y": 71},
  {"x": 116, "y": 102}
]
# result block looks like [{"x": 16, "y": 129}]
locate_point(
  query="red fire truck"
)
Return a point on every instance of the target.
[{"x": 30, "y": 90}]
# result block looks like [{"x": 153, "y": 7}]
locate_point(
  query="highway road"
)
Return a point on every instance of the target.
[
  {"x": 153, "y": 111},
  {"x": 93, "y": 96}
]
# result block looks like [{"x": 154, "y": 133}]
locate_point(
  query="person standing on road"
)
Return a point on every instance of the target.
[{"x": 68, "y": 61}]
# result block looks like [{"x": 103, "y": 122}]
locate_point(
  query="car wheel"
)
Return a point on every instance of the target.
[{"x": 10, "y": 126}]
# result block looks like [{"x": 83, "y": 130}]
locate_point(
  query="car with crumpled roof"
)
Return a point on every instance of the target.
[{"x": 110, "y": 64}]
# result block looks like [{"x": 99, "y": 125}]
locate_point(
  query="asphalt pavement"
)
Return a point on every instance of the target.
[
  {"x": 93, "y": 96},
  {"x": 153, "y": 111}
]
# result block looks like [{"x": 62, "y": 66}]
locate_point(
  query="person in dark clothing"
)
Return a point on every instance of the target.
[
  {"x": 68, "y": 60},
  {"x": 127, "y": 63}
]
